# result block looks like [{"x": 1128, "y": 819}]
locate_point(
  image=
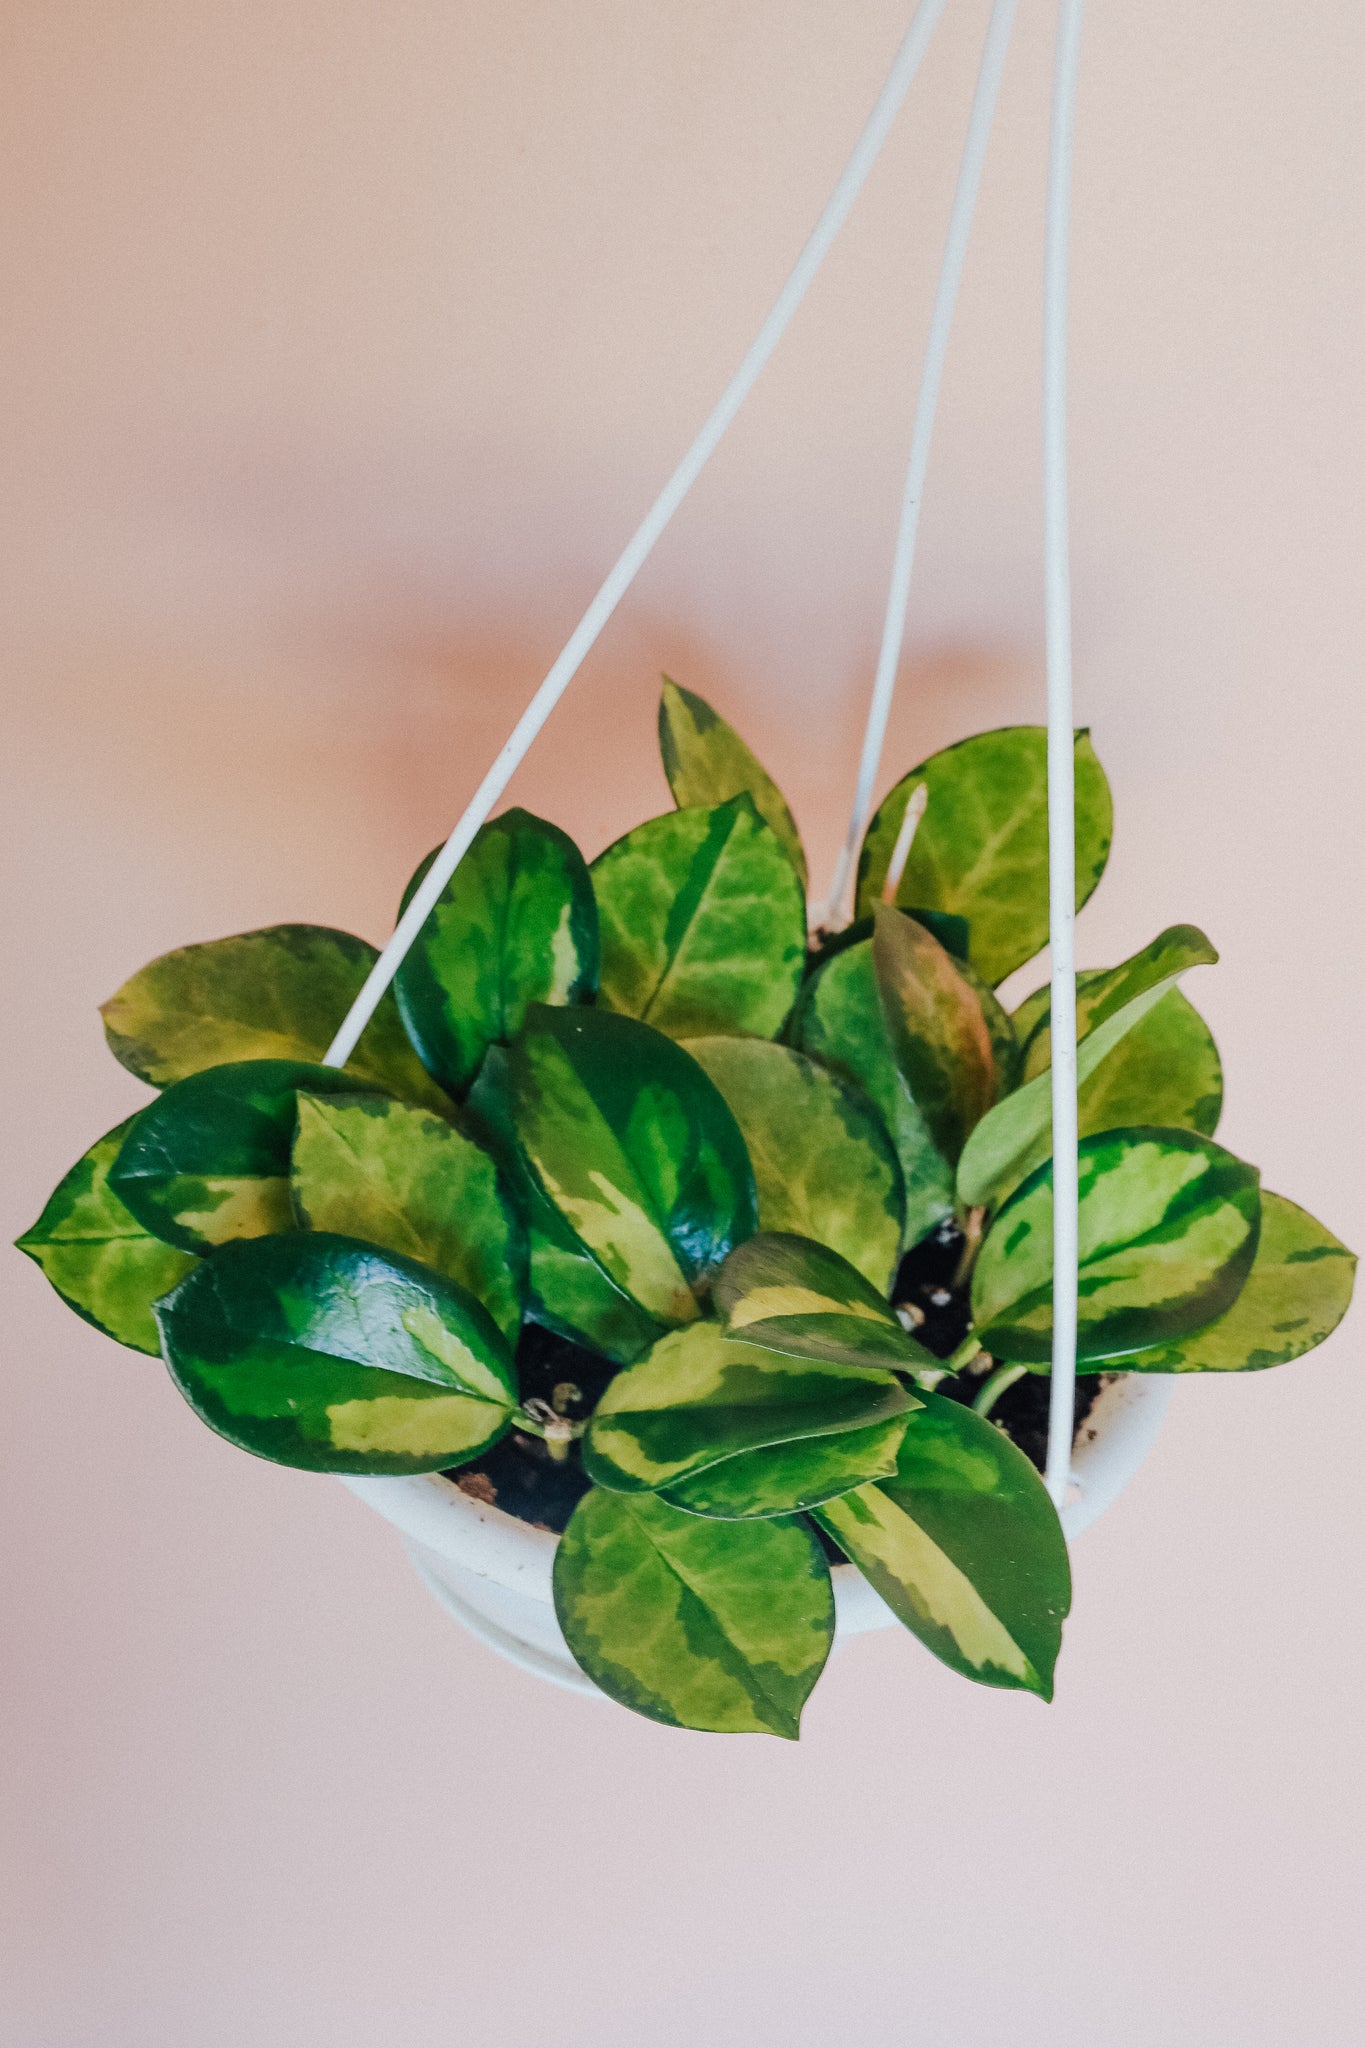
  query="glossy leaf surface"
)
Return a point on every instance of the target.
[
  {"x": 208, "y": 1161},
  {"x": 567, "y": 1290},
  {"x": 965, "y": 1547},
  {"x": 516, "y": 924},
  {"x": 277, "y": 994},
  {"x": 1298, "y": 1290},
  {"x": 321, "y": 1352},
  {"x": 393, "y": 1175},
  {"x": 100, "y": 1259},
  {"x": 703, "y": 923},
  {"x": 1165, "y": 1071},
  {"x": 791, "y": 1294},
  {"x": 1016, "y": 1135},
  {"x": 839, "y": 1021},
  {"x": 981, "y": 847},
  {"x": 822, "y": 1160},
  {"x": 700, "y": 1624},
  {"x": 787, "y": 1477},
  {"x": 636, "y": 1149},
  {"x": 937, "y": 1030},
  {"x": 707, "y": 763},
  {"x": 700, "y": 1396},
  {"x": 1108, "y": 992},
  {"x": 1168, "y": 1229}
]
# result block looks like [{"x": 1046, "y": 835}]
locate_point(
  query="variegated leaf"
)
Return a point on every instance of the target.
[
  {"x": 393, "y": 1175},
  {"x": 516, "y": 924},
  {"x": 636, "y": 1149},
  {"x": 822, "y": 1160},
  {"x": 1166, "y": 1071},
  {"x": 790, "y": 1294},
  {"x": 700, "y": 1396},
  {"x": 703, "y": 923},
  {"x": 981, "y": 847},
  {"x": 277, "y": 994},
  {"x": 325, "y": 1353},
  {"x": 965, "y": 1547},
  {"x": 209, "y": 1159},
  {"x": 1168, "y": 1229},
  {"x": 1107, "y": 992},
  {"x": 567, "y": 1289},
  {"x": 1297, "y": 1292},
  {"x": 839, "y": 1021},
  {"x": 1016, "y": 1135},
  {"x": 96, "y": 1254},
  {"x": 699, "y": 1624},
  {"x": 784, "y": 1478},
  {"x": 937, "y": 1030},
  {"x": 707, "y": 763}
]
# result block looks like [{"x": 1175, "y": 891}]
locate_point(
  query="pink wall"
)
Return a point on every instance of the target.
[{"x": 342, "y": 347}]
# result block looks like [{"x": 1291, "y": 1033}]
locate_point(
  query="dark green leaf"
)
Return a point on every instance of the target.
[
  {"x": 839, "y": 1021},
  {"x": 707, "y": 763},
  {"x": 516, "y": 924},
  {"x": 98, "y": 1256},
  {"x": 209, "y": 1159},
  {"x": 786, "y": 1477},
  {"x": 699, "y": 1624},
  {"x": 1168, "y": 1230},
  {"x": 700, "y": 1396},
  {"x": 981, "y": 847},
  {"x": 318, "y": 1351},
  {"x": 368, "y": 1167},
  {"x": 790, "y": 1294},
  {"x": 278, "y": 994},
  {"x": 567, "y": 1289},
  {"x": 937, "y": 1030},
  {"x": 636, "y": 1149},
  {"x": 821, "y": 1157},
  {"x": 965, "y": 1547},
  {"x": 703, "y": 923},
  {"x": 1017, "y": 1134},
  {"x": 1297, "y": 1292}
]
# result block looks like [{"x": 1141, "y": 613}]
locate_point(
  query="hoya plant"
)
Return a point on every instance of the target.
[{"x": 725, "y": 1254}]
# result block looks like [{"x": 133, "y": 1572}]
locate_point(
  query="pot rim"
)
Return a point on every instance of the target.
[{"x": 430, "y": 1510}]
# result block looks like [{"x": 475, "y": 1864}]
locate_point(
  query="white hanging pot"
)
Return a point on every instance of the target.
[{"x": 492, "y": 1572}]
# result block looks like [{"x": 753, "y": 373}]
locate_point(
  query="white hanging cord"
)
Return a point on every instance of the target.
[
  {"x": 865, "y": 153},
  {"x": 1061, "y": 757},
  {"x": 931, "y": 379}
]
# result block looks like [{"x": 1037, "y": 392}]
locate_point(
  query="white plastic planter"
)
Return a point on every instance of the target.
[{"x": 492, "y": 1572}]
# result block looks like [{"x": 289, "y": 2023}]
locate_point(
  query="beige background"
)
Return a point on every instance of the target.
[{"x": 342, "y": 347}]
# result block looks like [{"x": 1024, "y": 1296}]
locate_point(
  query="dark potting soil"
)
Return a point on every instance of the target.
[{"x": 520, "y": 1476}]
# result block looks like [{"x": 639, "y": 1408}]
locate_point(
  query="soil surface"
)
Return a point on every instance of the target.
[{"x": 520, "y": 1476}]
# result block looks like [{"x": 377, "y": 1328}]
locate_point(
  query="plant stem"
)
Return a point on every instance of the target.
[
  {"x": 1003, "y": 1376},
  {"x": 972, "y": 1225},
  {"x": 967, "y": 1350}
]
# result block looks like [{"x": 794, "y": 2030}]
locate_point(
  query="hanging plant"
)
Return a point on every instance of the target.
[{"x": 726, "y": 1256}]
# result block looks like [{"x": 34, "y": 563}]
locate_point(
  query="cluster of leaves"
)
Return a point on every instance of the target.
[{"x": 626, "y": 1103}]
